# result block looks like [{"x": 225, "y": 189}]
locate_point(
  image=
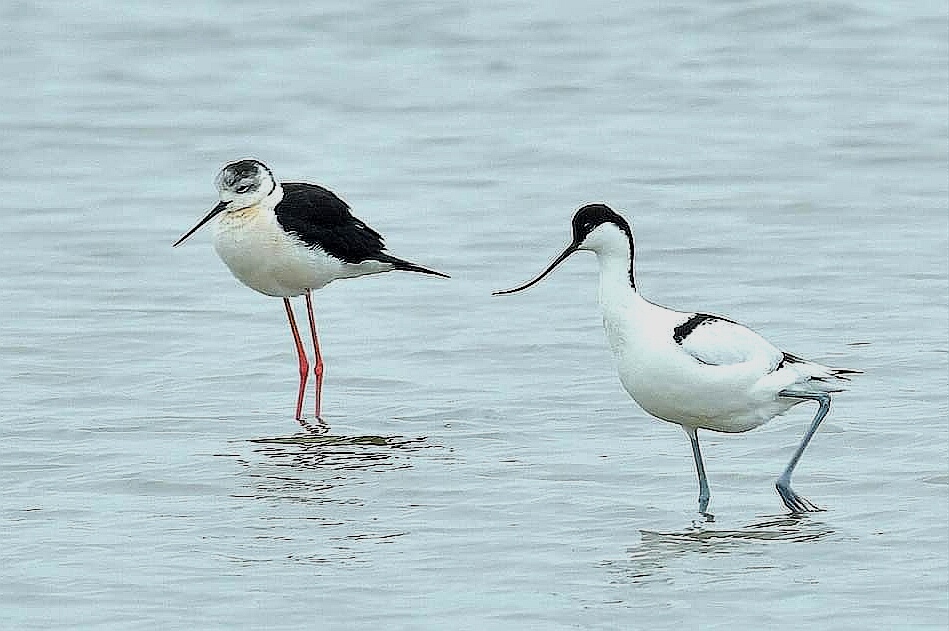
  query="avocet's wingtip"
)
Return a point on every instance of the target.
[{"x": 844, "y": 374}]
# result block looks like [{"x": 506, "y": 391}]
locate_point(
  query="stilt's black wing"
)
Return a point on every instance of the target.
[{"x": 321, "y": 219}]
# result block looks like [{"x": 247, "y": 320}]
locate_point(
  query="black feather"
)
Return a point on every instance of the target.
[
  {"x": 683, "y": 330},
  {"x": 837, "y": 373},
  {"x": 321, "y": 219},
  {"x": 790, "y": 359}
]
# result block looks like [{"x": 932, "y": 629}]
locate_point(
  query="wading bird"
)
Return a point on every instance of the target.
[
  {"x": 288, "y": 239},
  {"x": 697, "y": 370}
]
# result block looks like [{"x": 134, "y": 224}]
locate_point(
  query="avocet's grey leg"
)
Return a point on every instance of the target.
[
  {"x": 704, "y": 495},
  {"x": 795, "y": 502}
]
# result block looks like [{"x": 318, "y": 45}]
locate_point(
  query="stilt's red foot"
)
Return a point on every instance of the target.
[{"x": 317, "y": 427}]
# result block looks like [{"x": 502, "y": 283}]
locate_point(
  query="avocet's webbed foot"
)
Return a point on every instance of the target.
[{"x": 795, "y": 503}]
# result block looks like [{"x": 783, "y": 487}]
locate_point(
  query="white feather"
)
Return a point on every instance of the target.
[
  {"x": 264, "y": 257},
  {"x": 721, "y": 342},
  {"x": 723, "y": 376}
]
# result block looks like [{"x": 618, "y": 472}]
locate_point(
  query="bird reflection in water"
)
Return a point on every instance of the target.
[
  {"x": 340, "y": 452},
  {"x": 307, "y": 468},
  {"x": 651, "y": 559}
]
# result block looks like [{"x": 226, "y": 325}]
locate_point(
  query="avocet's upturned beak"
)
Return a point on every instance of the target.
[
  {"x": 216, "y": 211},
  {"x": 573, "y": 247}
]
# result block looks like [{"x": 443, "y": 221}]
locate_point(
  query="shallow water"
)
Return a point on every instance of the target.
[{"x": 783, "y": 163}]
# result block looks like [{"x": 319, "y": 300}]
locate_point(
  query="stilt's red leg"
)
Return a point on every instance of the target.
[
  {"x": 318, "y": 357},
  {"x": 301, "y": 355}
]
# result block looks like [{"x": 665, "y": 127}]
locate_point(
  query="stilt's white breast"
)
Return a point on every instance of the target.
[
  {"x": 261, "y": 255},
  {"x": 267, "y": 259}
]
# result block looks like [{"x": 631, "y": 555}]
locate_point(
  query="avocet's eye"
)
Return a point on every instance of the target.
[{"x": 243, "y": 188}]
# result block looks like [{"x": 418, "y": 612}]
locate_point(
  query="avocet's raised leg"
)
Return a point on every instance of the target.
[
  {"x": 301, "y": 357},
  {"x": 795, "y": 502},
  {"x": 704, "y": 494}
]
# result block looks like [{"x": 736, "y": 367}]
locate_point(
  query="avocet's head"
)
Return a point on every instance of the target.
[
  {"x": 240, "y": 185},
  {"x": 596, "y": 227}
]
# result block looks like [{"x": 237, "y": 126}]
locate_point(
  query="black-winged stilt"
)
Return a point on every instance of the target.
[{"x": 288, "y": 239}]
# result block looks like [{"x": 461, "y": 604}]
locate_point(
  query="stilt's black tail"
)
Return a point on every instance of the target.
[{"x": 408, "y": 266}]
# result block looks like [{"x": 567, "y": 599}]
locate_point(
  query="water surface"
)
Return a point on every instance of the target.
[{"x": 783, "y": 163}]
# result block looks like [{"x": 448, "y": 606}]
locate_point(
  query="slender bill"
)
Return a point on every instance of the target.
[
  {"x": 573, "y": 247},
  {"x": 217, "y": 210}
]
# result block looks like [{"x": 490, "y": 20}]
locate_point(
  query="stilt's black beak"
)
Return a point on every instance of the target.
[
  {"x": 573, "y": 247},
  {"x": 217, "y": 209}
]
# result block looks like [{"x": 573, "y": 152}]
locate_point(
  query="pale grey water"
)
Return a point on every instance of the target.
[{"x": 784, "y": 163}]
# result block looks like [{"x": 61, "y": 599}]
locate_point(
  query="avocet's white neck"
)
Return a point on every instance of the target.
[
  {"x": 616, "y": 289},
  {"x": 614, "y": 252}
]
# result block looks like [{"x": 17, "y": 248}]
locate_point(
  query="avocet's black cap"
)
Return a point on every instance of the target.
[{"x": 592, "y": 216}]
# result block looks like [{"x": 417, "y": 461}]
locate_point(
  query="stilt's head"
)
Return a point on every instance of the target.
[
  {"x": 244, "y": 183},
  {"x": 240, "y": 185},
  {"x": 598, "y": 228}
]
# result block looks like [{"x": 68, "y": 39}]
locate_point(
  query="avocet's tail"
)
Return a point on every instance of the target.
[{"x": 818, "y": 376}]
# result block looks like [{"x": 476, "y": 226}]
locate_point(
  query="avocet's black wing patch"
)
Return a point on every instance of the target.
[
  {"x": 718, "y": 341},
  {"x": 321, "y": 219},
  {"x": 685, "y": 329},
  {"x": 788, "y": 358}
]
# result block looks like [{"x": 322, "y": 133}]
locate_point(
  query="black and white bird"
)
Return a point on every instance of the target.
[
  {"x": 697, "y": 370},
  {"x": 288, "y": 239}
]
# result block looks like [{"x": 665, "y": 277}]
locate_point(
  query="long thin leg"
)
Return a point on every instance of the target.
[
  {"x": 318, "y": 367},
  {"x": 795, "y": 502},
  {"x": 704, "y": 494},
  {"x": 301, "y": 356}
]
